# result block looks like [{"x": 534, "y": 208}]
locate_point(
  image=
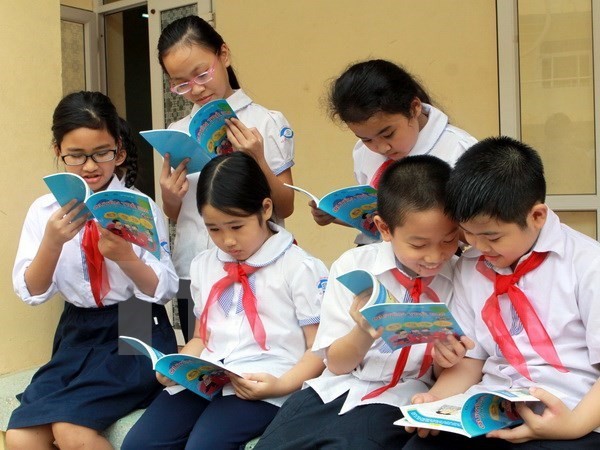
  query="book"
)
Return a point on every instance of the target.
[
  {"x": 469, "y": 415},
  {"x": 205, "y": 139},
  {"x": 125, "y": 213},
  {"x": 354, "y": 205},
  {"x": 203, "y": 377},
  {"x": 403, "y": 324}
]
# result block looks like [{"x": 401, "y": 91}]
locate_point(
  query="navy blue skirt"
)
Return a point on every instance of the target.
[{"x": 89, "y": 381}]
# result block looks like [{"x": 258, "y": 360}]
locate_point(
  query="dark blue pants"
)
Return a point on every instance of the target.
[
  {"x": 451, "y": 440},
  {"x": 187, "y": 421},
  {"x": 305, "y": 422}
]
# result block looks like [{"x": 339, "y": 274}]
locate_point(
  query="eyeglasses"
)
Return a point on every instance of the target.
[
  {"x": 202, "y": 78},
  {"x": 98, "y": 157}
]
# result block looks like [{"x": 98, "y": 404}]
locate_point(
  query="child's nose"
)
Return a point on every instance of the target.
[
  {"x": 229, "y": 241},
  {"x": 197, "y": 88},
  {"x": 90, "y": 164},
  {"x": 383, "y": 147}
]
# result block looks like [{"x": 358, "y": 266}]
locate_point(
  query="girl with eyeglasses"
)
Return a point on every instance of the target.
[
  {"x": 109, "y": 287},
  {"x": 198, "y": 63}
]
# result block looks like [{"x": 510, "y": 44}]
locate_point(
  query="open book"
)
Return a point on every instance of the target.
[
  {"x": 202, "y": 377},
  {"x": 125, "y": 213},
  {"x": 354, "y": 205},
  {"x": 206, "y": 137},
  {"x": 469, "y": 415},
  {"x": 403, "y": 323}
]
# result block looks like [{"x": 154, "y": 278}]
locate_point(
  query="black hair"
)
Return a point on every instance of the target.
[
  {"x": 130, "y": 165},
  {"x": 94, "y": 110},
  {"x": 498, "y": 177},
  {"x": 192, "y": 30},
  {"x": 233, "y": 183},
  {"x": 411, "y": 184},
  {"x": 373, "y": 86}
]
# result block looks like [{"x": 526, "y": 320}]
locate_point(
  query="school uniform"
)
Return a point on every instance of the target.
[
  {"x": 565, "y": 293},
  {"x": 437, "y": 138},
  {"x": 191, "y": 236},
  {"x": 330, "y": 409},
  {"x": 87, "y": 382},
  {"x": 289, "y": 287}
]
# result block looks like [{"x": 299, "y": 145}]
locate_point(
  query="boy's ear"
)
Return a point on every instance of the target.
[
  {"x": 384, "y": 229},
  {"x": 267, "y": 212},
  {"x": 224, "y": 55},
  {"x": 538, "y": 215}
]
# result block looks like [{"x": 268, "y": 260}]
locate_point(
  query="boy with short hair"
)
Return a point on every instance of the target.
[
  {"x": 528, "y": 293},
  {"x": 355, "y": 402}
]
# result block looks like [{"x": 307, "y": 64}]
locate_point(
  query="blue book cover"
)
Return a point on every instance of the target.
[
  {"x": 205, "y": 139},
  {"x": 403, "y": 324},
  {"x": 202, "y": 377},
  {"x": 125, "y": 213},
  {"x": 354, "y": 205}
]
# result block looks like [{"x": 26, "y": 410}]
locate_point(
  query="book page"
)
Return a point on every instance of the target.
[{"x": 304, "y": 191}]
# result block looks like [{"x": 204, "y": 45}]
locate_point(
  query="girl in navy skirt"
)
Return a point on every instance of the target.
[
  {"x": 257, "y": 300},
  {"x": 104, "y": 280}
]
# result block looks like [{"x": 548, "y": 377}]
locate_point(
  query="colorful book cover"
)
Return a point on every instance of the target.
[
  {"x": 125, "y": 213},
  {"x": 403, "y": 324},
  {"x": 205, "y": 139},
  {"x": 354, "y": 205},
  {"x": 203, "y": 377},
  {"x": 469, "y": 415}
]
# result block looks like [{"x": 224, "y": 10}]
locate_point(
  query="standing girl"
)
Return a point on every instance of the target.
[
  {"x": 87, "y": 385},
  {"x": 198, "y": 64},
  {"x": 257, "y": 301},
  {"x": 392, "y": 116}
]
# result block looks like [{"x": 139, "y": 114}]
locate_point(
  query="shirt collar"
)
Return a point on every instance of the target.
[
  {"x": 238, "y": 100},
  {"x": 269, "y": 252},
  {"x": 431, "y": 132}
]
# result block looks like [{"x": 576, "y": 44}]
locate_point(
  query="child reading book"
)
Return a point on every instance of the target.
[
  {"x": 528, "y": 293},
  {"x": 198, "y": 63},
  {"x": 87, "y": 385},
  {"x": 354, "y": 403},
  {"x": 392, "y": 116},
  {"x": 257, "y": 301}
]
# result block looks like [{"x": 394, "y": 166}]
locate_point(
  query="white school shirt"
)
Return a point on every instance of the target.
[
  {"x": 191, "y": 236},
  {"x": 71, "y": 278},
  {"x": 288, "y": 287},
  {"x": 565, "y": 293},
  {"x": 437, "y": 138},
  {"x": 377, "y": 367}
]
